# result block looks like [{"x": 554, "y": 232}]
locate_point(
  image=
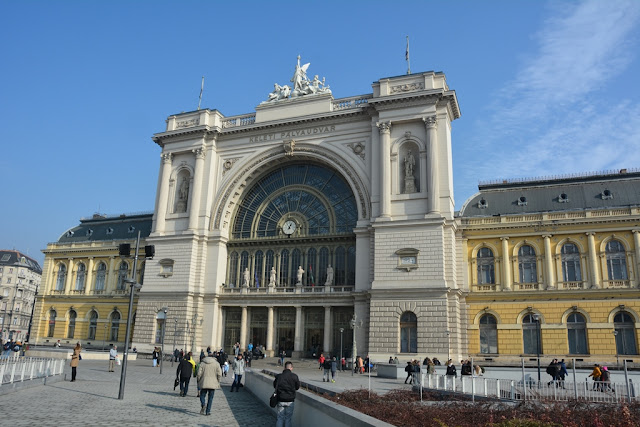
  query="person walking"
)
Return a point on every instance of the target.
[
  {"x": 409, "y": 370},
  {"x": 334, "y": 368},
  {"x": 113, "y": 354},
  {"x": 596, "y": 374},
  {"x": 75, "y": 358},
  {"x": 155, "y": 355},
  {"x": 326, "y": 365},
  {"x": 286, "y": 385},
  {"x": 563, "y": 372},
  {"x": 238, "y": 372},
  {"x": 183, "y": 374},
  {"x": 209, "y": 375}
]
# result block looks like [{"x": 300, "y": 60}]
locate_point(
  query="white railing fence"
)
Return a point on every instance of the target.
[
  {"x": 18, "y": 369},
  {"x": 593, "y": 391}
]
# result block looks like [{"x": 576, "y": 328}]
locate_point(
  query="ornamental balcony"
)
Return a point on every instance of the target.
[{"x": 310, "y": 290}]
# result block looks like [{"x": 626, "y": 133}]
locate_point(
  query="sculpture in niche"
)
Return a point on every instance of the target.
[
  {"x": 302, "y": 86},
  {"x": 272, "y": 277},
  {"x": 299, "y": 276},
  {"x": 329, "y": 280},
  {"x": 409, "y": 178},
  {"x": 183, "y": 195},
  {"x": 245, "y": 278}
]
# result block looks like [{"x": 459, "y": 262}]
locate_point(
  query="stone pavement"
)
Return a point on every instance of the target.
[{"x": 149, "y": 399}]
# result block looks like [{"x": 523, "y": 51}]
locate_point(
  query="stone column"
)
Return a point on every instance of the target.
[
  {"x": 196, "y": 196},
  {"x": 269, "y": 345},
  {"x": 252, "y": 269},
  {"x": 326, "y": 345},
  {"x": 433, "y": 195},
  {"x": 89, "y": 277},
  {"x": 243, "y": 329},
  {"x": 636, "y": 244},
  {"x": 506, "y": 265},
  {"x": 385, "y": 169},
  {"x": 163, "y": 192},
  {"x": 548, "y": 262},
  {"x": 593, "y": 261},
  {"x": 297, "y": 340},
  {"x": 67, "y": 281},
  {"x": 220, "y": 328}
]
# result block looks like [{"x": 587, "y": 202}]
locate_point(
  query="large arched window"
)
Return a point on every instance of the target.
[
  {"x": 233, "y": 270},
  {"x": 408, "y": 332},
  {"x": 244, "y": 263},
  {"x": 284, "y": 268},
  {"x": 485, "y": 266},
  {"x": 625, "y": 330},
  {"x": 570, "y": 263},
  {"x": 339, "y": 268},
  {"x": 81, "y": 275},
  {"x": 616, "y": 260},
  {"x": 323, "y": 263},
  {"x": 531, "y": 341},
  {"x": 115, "y": 326},
  {"x": 488, "y": 334},
  {"x": 71, "y": 329},
  {"x": 257, "y": 275},
  {"x": 93, "y": 325},
  {"x": 52, "y": 322},
  {"x": 101, "y": 275},
  {"x": 296, "y": 261},
  {"x": 269, "y": 264},
  {"x": 577, "y": 331},
  {"x": 62, "y": 276},
  {"x": 123, "y": 272},
  {"x": 527, "y": 264}
]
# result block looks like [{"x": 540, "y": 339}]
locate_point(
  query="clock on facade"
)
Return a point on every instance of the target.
[{"x": 289, "y": 227}]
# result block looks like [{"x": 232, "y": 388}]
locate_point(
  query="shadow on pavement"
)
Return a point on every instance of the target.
[
  {"x": 84, "y": 392},
  {"x": 171, "y": 409},
  {"x": 164, "y": 393}
]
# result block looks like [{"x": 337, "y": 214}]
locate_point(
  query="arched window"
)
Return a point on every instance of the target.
[
  {"x": 161, "y": 318},
  {"x": 577, "y": 330},
  {"x": 257, "y": 275},
  {"x": 323, "y": 264},
  {"x": 351, "y": 266},
  {"x": 123, "y": 272},
  {"x": 485, "y": 266},
  {"x": 527, "y": 264},
  {"x": 62, "y": 275},
  {"x": 284, "y": 268},
  {"x": 244, "y": 263},
  {"x": 52, "y": 322},
  {"x": 101, "y": 275},
  {"x": 531, "y": 341},
  {"x": 268, "y": 266},
  {"x": 488, "y": 334},
  {"x": 625, "y": 329},
  {"x": 115, "y": 326},
  {"x": 233, "y": 270},
  {"x": 408, "y": 333},
  {"x": 571, "y": 263},
  {"x": 296, "y": 261},
  {"x": 81, "y": 275},
  {"x": 71, "y": 330},
  {"x": 339, "y": 273},
  {"x": 312, "y": 277},
  {"x": 616, "y": 260},
  {"x": 93, "y": 325}
]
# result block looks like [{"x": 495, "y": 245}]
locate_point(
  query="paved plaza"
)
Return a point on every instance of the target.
[{"x": 150, "y": 398}]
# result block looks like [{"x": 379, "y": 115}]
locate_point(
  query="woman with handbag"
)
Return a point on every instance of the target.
[{"x": 75, "y": 358}]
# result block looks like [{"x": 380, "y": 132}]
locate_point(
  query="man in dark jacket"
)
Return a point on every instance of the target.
[
  {"x": 286, "y": 385},
  {"x": 183, "y": 373}
]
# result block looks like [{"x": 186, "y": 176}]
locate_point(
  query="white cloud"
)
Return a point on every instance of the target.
[{"x": 554, "y": 117}]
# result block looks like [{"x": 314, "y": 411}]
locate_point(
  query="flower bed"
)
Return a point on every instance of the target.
[{"x": 404, "y": 408}]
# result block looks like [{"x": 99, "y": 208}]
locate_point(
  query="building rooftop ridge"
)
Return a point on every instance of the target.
[{"x": 559, "y": 179}]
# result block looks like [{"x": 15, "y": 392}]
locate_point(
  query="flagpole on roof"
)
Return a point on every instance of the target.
[
  {"x": 406, "y": 55},
  {"x": 201, "y": 90}
]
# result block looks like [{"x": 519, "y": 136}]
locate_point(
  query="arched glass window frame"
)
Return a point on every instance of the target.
[
  {"x": 625, "y": 328},
  {"x": 52, "y": 323},
  {"x": 93, "y": 325},
  {"x": 61, "y": 277},
  {"x": 571, "y": 263},
  {"x": 81, "y": 276},
  {"x": 115, "y": 320},
  {"x": 408, "y": 332},
  {"x": 531, "y": 339},
  {"x": 123, "y": 273},
  {"x": 527, "y": 264},
  {"x": 101, "y": 276},
  {"x": 485, "y": 260},
  {"x": 71, "y": 327},
  {"x": 616, "y": 260},
  {"x": 488, "y": 331},
  {"x": 577, "y": 334}
]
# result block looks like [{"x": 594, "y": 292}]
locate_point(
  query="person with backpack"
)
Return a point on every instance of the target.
[
  {"x": 596, "y": 374},
  {"x": 605, "y": 379},
  {"x": 326, "y": 365},
  {"x": 451, "y": 369},
  {"x": 186, "y": 367},
  {"x": 409, "y": 370}
]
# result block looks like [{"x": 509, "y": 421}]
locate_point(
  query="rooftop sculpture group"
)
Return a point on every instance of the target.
[{"x": 301, "y": 85}]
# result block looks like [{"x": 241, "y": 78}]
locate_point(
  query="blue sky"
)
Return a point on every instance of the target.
[{"x": 545, "y": 88}]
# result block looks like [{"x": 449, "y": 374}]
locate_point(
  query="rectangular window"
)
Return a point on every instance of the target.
[
  {"x": 8, "y": 279},
  {"x": 19, "y": 294},
  {"x": 5, "y": 292},
  {"x": 577, "y": 341},
  {"x": 530, "y": 341}
]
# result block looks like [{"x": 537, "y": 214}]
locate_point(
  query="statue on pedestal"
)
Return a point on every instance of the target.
[
  {"x": 272, "y": 277},
  {"x": 301, "y": 85},
  {"x": 245, "y": 278},
  {"x": 329, "y": 280},
  {"x": 409, "y": 179},
  {"x": 183, "y": 196},
  {"x": 299, "y": 276}
]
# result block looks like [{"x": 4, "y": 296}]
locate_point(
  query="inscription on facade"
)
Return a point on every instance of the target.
[{"x": 292, "y": 133}]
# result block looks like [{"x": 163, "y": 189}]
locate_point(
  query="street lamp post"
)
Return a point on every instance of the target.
[
  {"x": 354, "y": 350},
  {"x": 164, "y": 327},
  {"x": 536, "y": 317},
  {"x": 341, "y": 331},
  {"x": 448, "y": 345},
  {"x": 104, "y": 338},
  {"x": 615, "y": 338},
  {"x": 175, "y": 328}
]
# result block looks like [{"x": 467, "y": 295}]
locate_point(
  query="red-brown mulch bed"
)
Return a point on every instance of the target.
[{"x": 403, "y": 408}]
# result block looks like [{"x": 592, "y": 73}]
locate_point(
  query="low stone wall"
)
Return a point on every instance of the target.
[{"x": 310, "y": 409}]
